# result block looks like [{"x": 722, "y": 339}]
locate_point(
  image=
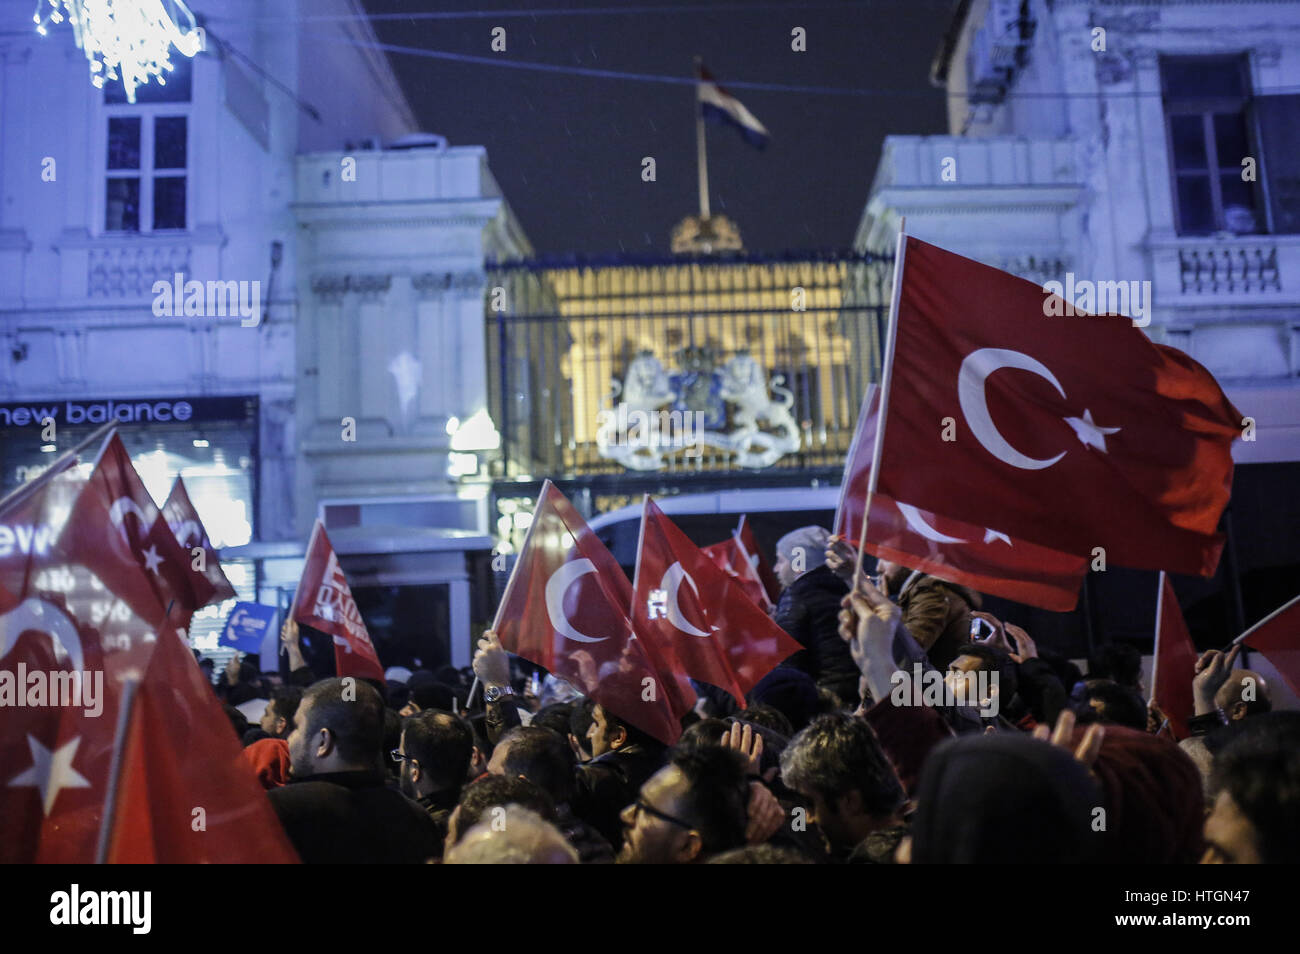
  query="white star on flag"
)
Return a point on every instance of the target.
[
  {"x": 51, "y": 771},
  {"x": 152, "y": 559},
  {"x": 1089, "y": 433},
  {"x": 991, "y": 535}
]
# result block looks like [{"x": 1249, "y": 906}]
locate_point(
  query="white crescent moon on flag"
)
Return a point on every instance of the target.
[
  {"x": 917, "y": 523},
  {"x": 121, "y": 507},
  {"x": 556, "y": 587},
  {"x": 672, "y": 581},
  {"x": 974, "y": 404},
  {"x": 46, "y": 618}
]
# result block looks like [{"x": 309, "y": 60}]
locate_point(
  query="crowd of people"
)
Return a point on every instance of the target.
[{"x": 1023, "y": 759}]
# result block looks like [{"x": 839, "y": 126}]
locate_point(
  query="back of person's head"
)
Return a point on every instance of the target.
[
  {"x": 717, "y": 796},
  {"x": 554, "y": 717},
  {"x": 543, "y": 757},
  {"x": 496, "y": 791},
  {"x": 838, "y": 754},
  {"x": 1244, "y": 693},
  {"x": 1153, "y": 797},
  {"x": 791, "y": 692},
  {"x": 1259, "y": 771},
  {"x": 701, "y": 733},
  {"x": 769, "y": 717},
  {"x": 1107, "y": 702},
  {"x": 442, "y": 743},
  {"x": 764, "y": 854},
  {"x": 285, "y": 701},
  {"x": 1004, "y": 798},
  {"x": 237, "y": 720},
  {"x": 353, "y": 713},
  {"x": 426, "y": 692},
  {"x": 1118, "y": 661},
  {"x": 520, "y": 837}
]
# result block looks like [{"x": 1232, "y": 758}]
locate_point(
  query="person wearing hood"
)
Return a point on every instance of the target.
[{"x": 809, "y": 611}]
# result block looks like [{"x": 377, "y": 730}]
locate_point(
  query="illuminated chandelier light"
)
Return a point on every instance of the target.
[{"x": 130, "y": 40}]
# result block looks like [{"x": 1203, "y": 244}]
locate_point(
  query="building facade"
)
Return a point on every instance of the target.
[
  {"x": 234, "y": 263},
  {"x": 1152, "y": 145}
]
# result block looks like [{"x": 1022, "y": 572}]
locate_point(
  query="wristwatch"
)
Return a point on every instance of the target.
[{"x": 493, "y": 693}]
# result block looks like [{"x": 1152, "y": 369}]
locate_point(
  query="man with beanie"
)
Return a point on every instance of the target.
[{"x": 809, "y": 611}]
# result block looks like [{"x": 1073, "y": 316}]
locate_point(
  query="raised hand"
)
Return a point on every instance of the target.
[
  {"x": 1089, "y": 746},
  {"x": 765, "y": 814},
  {"x": 743, "y": 738},
  {"x": 491, "y": 662},
  {"x": 1212, "y": 670},
  {"x": 841, "y": 558},
  {"x": 1025, "y": 647}
]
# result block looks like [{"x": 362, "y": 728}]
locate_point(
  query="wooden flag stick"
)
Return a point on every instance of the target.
[{"x": 900, "y": 251}]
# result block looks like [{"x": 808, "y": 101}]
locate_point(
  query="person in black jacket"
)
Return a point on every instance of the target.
[
  {"x": 336, "y": 808},
  {"x": 623, "y": 757},
  {"x": 809, "y": 611}
]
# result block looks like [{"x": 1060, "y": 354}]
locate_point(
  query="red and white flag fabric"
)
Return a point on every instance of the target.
[
  {"x": 749, "y": 543},
  {"x": 566, "y": 608},
  {"x": 731, "y": 558},
  {"x": 324, "y": 601},
  {"x": 979, "y": 557},
  {"x": 1069, "y": 432},
  {"x": 184, "y": 794},
  {"x": 115, "y": 501},
  {"x": 698, "y": 615},
  {"x": 209, "y": 584},
  {"x": 1174, "y": 664},
  {"x": 70, "y": 640},
  {"x": 1277, "y": 636}
]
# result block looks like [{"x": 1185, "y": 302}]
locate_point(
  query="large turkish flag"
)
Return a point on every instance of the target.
[
  {"x": 1070, "y": 432},
  {"x": 979, "y": 557}
]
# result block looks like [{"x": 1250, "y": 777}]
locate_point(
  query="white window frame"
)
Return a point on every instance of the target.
[{"x": 147, "y": 113}]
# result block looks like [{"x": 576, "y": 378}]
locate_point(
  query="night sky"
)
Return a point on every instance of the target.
[{"x": 567, "y": 149}]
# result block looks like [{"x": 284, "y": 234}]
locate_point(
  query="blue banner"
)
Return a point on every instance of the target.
[{"x": 247, "y": 626}]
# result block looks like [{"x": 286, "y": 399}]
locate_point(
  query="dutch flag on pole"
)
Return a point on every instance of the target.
[{"x": 719, "y": 105}]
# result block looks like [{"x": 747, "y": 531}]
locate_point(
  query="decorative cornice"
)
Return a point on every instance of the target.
[{"x": 432, "y": 284}]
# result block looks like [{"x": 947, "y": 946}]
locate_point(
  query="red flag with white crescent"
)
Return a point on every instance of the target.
[
  {"x": 1068, "y": 432},
  {"x": 69, "y": 643},
  {"x": 324, "y": 601},
  {"x": 566, "y": 609},
  {"x": 699, "y": 615},
  {"x": 209, "y": 584},
  {"x": 978, "y": 557},
  {"x": 730, "y": 557}
]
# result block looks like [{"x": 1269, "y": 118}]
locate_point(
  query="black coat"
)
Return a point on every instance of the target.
[
  {"x": 809, "y": 611},
  {"x": 609, "y": 783},
  {"x": 354, "y": 818}
]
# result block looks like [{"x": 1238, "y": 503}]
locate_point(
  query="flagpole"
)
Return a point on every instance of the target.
[
  {"x": 887, "y": 378},
  {"x": 129, "y": 688},
  {"x": 66, "y": 459},
  {"x": 701, "y": 157},
  {"x": 1272, "y": 615},
  {"x": 1155, "y": 654}
]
